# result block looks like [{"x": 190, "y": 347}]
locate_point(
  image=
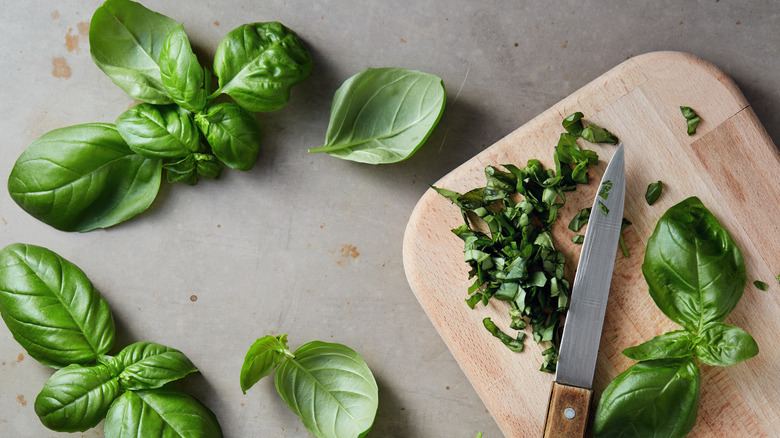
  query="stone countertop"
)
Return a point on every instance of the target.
[{"x": 310, "y": 245}]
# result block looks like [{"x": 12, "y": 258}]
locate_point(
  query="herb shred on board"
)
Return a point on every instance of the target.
[{"x": 516, "y": 260}]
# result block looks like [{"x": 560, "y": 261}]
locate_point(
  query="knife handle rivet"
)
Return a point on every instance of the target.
[{"x": 569, "y": 413}]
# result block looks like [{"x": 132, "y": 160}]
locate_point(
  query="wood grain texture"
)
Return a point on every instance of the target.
[
  {"x": 578, "y": 401},
  {"x": 730, "y": 164}
]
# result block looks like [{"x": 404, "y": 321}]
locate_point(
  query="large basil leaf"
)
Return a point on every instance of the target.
[
  {"x": 125, "y": 40},
  {"x": 51, "y": 307},
  {"x": 383, "y": 115},
  {"x": 83, "y": 177},
  {"x": 656, "y": 398},
  {"x": 258, "y": 63},
  {"x": 158, "y": 131},
  {"x": 233, "y": 134},
  {"x": 330, "y": 388},
  {"x": 76, "y": 398},
  {"x": 261, "y": 359},
  {"x": 181, "y": 74},
  {"x": 164, "y": 412},
  {"x": 674, "y": 344},
  {"x": 685, "y": 261},
  {"x": 146, "y": 365},
  {"x": 724, "y": 345}
]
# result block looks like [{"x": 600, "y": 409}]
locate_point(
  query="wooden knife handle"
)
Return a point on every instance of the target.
[{"x": 567, "y": 411}]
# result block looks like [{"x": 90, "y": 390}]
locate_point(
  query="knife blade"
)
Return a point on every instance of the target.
[{"x": 571, "y": 393}]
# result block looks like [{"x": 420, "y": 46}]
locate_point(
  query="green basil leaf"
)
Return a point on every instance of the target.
[
  {"x": 330, "y": 388},
  {"x": 233, "y": 134},
  {"x": 76, "y": 398},
  {"x": 146, "y": 365},
  {"x": 596, "y": 134},
  {"x": 723, "y": 345},
  {"x": 760, "y": 285},
  {"x": 676, "y": 344},
  {"x": 180, "y": 73},
  {"x": 578, "y": 239},
  {"x": 158, "y": 131},
  {"x": 383, "y": 115},
  {"x": 193, "y": 167},
  {"x": 573, "y": 125},
  {"x": 653, "y": 192},
  {"x": 83, "y": 177},
  {"x": 691, "y": 118},
  {"x": 125, "y": 41},
  {"x": 262, "y": 358},
  {"x": 580, "y": 219},
  {"x": 51, "y": 307},
  {"x": 693, "y": 267},
  {"x": 258, "y": 63},
  {"x": 514, "y": 344},
  {"x": 164, "y": 412},
  {"x": 656, "y": 398}
]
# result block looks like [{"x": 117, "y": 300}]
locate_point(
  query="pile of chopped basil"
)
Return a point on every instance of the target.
[{"x": 516, "y": 260}]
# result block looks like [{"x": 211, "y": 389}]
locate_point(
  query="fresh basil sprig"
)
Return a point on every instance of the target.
[
  {"x": 58, "y": 317},
  {"x": 696, "y": 276},
  {"x": 97, "y": 175},
  {"x": 327, "y": 385}
]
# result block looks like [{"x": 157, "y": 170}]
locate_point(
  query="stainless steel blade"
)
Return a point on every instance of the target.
[{"x": 582, "y": 331}]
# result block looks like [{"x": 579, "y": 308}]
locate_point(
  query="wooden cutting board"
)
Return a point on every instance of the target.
[{"x": 730, "y": 163}]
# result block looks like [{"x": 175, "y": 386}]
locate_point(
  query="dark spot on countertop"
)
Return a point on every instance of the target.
[
  {"x": 20, "y": 357},
  {"x": 83, "y": 28},
  {"x": 71, "y": 41},
  {"x": 194, "y": 298},
  {"x": 403, "y": 41},
  {"x": 5, "y": 222},
  {"x": 60, "y": 68},
  {"x": 347, "y": 252},
  {"x": 739, "y": 21},
  {"x": 565, "y": 44},
  {"x": 21, "y": 400},
  {"x": 517, "y": 44},
  {"x": 55, "y": 15},
  {"x": 447, "y": 388},
  {"x": 216, "y": 23}
]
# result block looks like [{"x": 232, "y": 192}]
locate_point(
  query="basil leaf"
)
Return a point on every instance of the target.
[
  {"x": 233, "y": 134},
  {"x": 258, "y": 63},
  {"x": 193, "y": 167},
  {"x": 51, "y": 307},
  {"x": 760, "y": 285},
  {"x": 573, "y": 125},
  {"x": 180, "y": 73},
  {"x": 676, "y": 344},
  {"x": 514, "y": 344},
  {"x": 684, "y": 265},
  {"x": 146, "y": 365},
  {"x": 723, "y": 345},
  {"x": 596, "y": 134},
  {"x": 653, "y": 192},
  {"x": 603, "y": 208},
  {"x": 83, "y": 177},
  {"x": 125, "y": 41},
  {"x": 691, "y": 118},
  {"x": 580, "y": 219},
  {"x": 164, "y": 412},
  {"x": 330, "y": 388},
  {"x": 383, "y": 115},
  {"x": 76, "y": 398},
  {"x": 262, "y": 358},
  {"x": 578, "y": 239},
  {"x": 656, "y": 398},
  {"x": 158, "y": 131}
]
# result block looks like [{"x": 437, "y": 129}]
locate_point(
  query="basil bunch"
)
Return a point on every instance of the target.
[
  {"x": 328, "y": 386},
  {"x": 61, "y": 320},
  {"x": 97, "y": 175},
  {"x": 696, "y": 277}
]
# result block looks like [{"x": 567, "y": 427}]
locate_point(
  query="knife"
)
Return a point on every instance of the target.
[{"x": 571, "y": 393}]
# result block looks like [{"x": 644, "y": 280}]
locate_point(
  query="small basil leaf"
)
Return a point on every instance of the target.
[
  {"x": 83, "y": 177},
  {"x": 146, "y": 365},
  {"x": 383, "y": 115},
  {"x": 76, "y": 398},
  {"x": 653, "y": 192},
  {"x": 596, "y": 134},
  {"x": 181, "y": 74},
  {"x": 51, "y": 307},
  {"x": 514, "y": 344},
  {"x": 692, "y": 120},
  {"x": 684, "y": 265},
  {"x": 193, "y": 167},
  {"x": 330, "y": 388},
  {"x": 158, "y": 131},
  {"x": 677, "y": 344},
  {"x": 578, "y": 239},
  {"x": 760, "y": 285},
  {"x": 573, "y": 125},
  {"x": 164, "y": 412},
  {"x": 233, "y": 134},
  {"x": 258, "y": 63},
  {"x": 580, "y": 219},
  {"x": 262, "y": 358},
  {"x": 125, "y": 41},
  {"x": 657, "y": 398},
  {"x": 723, "y": 345}
]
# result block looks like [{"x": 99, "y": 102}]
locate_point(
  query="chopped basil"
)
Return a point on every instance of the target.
[
  {"x": 622, "y": 242},
  {"x": 573, "y": 124},
  {"x": 578, "y": 239},
  {"x": 580, "y": 219},
  {"x": 760, "y": 284},
  {"x": 691, "y": 118},
  {"x": 596, "y": 134},
  {"x": 514, "y": 344},
  {"x": 603, "y": 208},
  {"x": 606, "y": 186},
  {"x": 653, "y": 192}
]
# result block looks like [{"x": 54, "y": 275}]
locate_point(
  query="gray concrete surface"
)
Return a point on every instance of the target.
[{"x": 310, "y": 245}]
